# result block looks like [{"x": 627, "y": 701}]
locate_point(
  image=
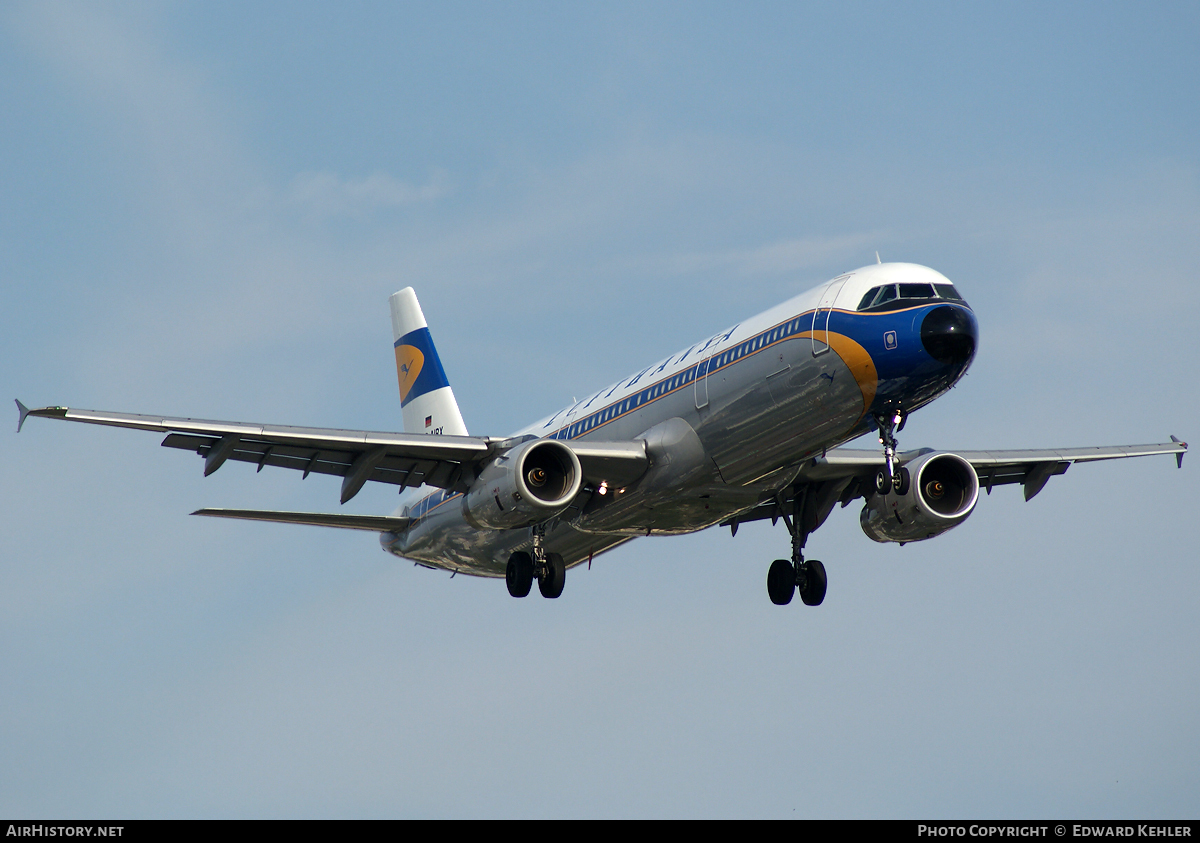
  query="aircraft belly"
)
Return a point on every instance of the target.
[
  {"x": 445, "y": 540},
  {"x": 681, "y": 492},
  {"x": 683, "y": 509}
]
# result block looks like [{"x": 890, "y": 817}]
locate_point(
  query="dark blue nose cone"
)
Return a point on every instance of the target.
[{"x": 949, "y": 334}]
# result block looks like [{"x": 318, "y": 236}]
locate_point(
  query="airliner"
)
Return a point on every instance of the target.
[{"x": 746, "y": 424}]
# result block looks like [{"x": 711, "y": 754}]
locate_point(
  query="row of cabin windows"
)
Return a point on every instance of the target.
[
  {"x": 887, "y": 297},
  {"x": 896, "y": 296},
  {"x": 423, "y": 507},
  {"x": 678, "y": 380}
]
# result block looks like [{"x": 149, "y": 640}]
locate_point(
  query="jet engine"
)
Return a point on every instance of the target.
[
  {"x": 526, "y": 484},
  {"x": 941, "y": 493}
]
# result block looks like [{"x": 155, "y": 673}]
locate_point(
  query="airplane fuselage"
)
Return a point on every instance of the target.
[
  {"x": 744, "y": 425},
  {"x": 732, "y": 418}
]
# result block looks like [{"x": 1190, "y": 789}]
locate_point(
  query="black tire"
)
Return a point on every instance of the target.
[
  {"x": 555, "y": 577},
  {"x": 519, "y": 574},
  {"x": 903, "y": 480},
  {"x": 883, "y": 483},
  {"x": 815, "y": 583},
  {"x": 781, "y": 582}
]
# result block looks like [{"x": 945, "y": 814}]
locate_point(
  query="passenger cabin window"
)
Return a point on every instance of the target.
[{"x": 897, "y": 296}]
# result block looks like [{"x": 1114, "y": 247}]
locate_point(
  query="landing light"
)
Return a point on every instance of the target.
[{"x": 603, "y": 487}]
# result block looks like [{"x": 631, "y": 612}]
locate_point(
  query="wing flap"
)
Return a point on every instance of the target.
[
  {"x": 408, "y": 459},
  {"x": 397, "y": 470}
]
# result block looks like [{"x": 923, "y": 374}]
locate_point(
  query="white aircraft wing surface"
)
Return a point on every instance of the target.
[
  {"x": 843, "y": 474},
  {"x": 996, "y": 468},
  {"x": 358, "y": 456}
]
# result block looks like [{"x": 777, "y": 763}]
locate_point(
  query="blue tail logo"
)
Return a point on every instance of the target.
[
  {"x": 417, "y": 366},
  {"x": 409, "y": 362}
]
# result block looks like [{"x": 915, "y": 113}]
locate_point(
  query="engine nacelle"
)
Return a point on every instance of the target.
[
  {"x": 942, "y": 491},
  {"x": 526, "y": 484}
]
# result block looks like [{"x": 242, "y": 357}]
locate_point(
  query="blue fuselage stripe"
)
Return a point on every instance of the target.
[{"x": 848, "y": 323}]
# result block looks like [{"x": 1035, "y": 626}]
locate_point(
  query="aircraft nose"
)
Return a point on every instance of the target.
[{"x": 949, "y": 334}]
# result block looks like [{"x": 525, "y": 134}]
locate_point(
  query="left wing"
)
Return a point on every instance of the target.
[
  {"x": 997, "y": 468},
  {"x": 843, "y": 474},
  {"x": 401, "y": 459}
]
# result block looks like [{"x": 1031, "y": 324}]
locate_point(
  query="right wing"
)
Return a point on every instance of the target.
[{"x": 357, "y": 456}]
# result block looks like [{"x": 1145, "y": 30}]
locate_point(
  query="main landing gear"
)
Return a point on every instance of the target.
[
  {"x": 891, "y": 477},
  {"x": 806, "y": 576},
  {"x": 549, "y": 568}
]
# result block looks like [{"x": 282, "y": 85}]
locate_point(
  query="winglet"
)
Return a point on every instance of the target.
[
  {"x": 1178, "y": 454},
  {"x": 44, "y": 412}
]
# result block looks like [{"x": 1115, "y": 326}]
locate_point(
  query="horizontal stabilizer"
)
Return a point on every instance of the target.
[{"x": 373, "y": 523}]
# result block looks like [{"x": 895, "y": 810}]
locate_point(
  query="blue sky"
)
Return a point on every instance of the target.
[{"x": 205, "y": 207}]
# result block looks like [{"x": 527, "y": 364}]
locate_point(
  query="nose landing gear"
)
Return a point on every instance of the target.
[{"x": 891, "y": 478}]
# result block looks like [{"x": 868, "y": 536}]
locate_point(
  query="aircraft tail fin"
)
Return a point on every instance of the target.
[{"x": 426, "y": 399}]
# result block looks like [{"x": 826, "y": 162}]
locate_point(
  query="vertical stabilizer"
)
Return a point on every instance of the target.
[{"x": 426, "y": 399}]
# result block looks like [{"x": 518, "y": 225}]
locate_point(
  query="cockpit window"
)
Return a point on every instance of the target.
[
  {"x": 897, "y": 296},
  {"x": 869, "y": 298},
  {"x": 877, "y": 296},
  {"x": 916, "y": 291}
]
